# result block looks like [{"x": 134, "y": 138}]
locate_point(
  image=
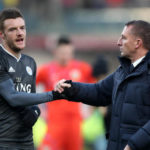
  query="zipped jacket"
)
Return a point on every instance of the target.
[{"x": 129, "y": 93}]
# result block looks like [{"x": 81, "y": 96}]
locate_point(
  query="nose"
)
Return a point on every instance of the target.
[
  {"x": 119, "y": 43},
  {"x": 19, "y": 32}
]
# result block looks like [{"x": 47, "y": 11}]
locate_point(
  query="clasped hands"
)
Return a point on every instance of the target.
[
  {"x": 61, "y": 85},
  {"x": 63, "y": 90}
]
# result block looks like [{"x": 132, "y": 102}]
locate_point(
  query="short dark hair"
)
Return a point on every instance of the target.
[
  {"x": 9, "y": 13},
  {"x": 142, "y": 29},
  {"x": 64, "y": 40}
]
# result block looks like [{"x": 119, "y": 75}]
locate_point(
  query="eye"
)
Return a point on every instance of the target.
[
  {"x": 22, "y": 27},
  {"x": 11, "y": 29}
]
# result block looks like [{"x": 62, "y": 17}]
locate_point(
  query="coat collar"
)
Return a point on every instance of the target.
[
  {"x": 147, "y": 58},
  {"x": 125, "y": 62}
]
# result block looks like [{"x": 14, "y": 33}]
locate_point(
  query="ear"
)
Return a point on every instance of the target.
[
  {"x": 138, "y": 43},
  {"x": 1, "y": 35}
]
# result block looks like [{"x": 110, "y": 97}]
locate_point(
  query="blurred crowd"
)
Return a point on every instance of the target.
[
  {"x": 92, "y": 4},
  {"x": 69, "y": 15}
]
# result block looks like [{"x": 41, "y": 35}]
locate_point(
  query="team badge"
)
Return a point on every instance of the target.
[{"x": 29, "y": 70}]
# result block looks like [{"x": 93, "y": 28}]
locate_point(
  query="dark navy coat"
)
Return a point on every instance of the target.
[{"x": 129, "y": 94}]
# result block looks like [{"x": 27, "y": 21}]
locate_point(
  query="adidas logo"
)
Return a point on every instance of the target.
[{"x": 11, "y": 69}]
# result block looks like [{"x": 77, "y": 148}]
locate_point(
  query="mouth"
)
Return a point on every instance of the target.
[
  {"x": 121, "y": 49},
  {"x": 20, "y": 40}
]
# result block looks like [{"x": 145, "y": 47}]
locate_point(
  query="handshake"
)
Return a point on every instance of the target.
[{"x": 64, "y": 89}]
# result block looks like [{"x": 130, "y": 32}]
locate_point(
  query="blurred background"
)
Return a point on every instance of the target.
[{"x": 94, "y": 27}]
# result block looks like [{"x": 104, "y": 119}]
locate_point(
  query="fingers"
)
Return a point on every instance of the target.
[{"x": 59, "y": 87}]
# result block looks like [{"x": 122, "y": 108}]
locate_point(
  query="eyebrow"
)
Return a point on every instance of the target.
[{"x": 12, "y": 28}]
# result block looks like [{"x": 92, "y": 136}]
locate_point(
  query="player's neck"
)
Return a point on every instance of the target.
[{"x": 12, "y": 52}]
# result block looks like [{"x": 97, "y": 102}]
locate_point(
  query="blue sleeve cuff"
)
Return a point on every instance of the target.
[{"x": 140, "y": 140}]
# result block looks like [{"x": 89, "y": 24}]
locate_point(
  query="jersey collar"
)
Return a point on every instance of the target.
[{"x": 11, "y": 53}]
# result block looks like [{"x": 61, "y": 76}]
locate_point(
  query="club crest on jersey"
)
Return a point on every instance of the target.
[
  {"x": 29, "y": 70},
  {"x": 11, "y": 69}
]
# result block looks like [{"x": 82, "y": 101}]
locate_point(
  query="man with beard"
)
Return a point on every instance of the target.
[{"x": 17, "y": 85}]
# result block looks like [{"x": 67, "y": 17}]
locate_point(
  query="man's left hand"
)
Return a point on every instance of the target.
[{"x": 61, "y": 85}]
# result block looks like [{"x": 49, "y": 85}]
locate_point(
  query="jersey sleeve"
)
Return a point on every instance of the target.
[
  {"x": 14, "y": 98},
  {"x": 34, "y": 78},
  {"x": 3, "y": 72}
]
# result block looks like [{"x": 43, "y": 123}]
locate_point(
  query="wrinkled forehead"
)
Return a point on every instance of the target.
[
  {"x": 128, "y": 30},
  {"x": 14, "y": 22}
]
